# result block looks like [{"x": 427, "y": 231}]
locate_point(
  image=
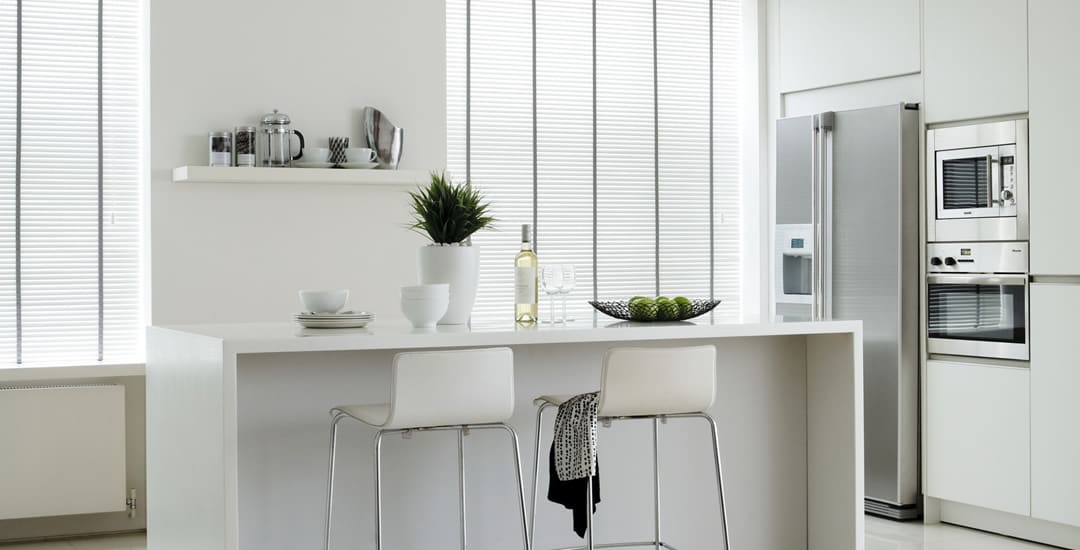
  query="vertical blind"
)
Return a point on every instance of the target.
[
  {"x": 70, "y": 149},
  {"x": 613, "y": 126}
]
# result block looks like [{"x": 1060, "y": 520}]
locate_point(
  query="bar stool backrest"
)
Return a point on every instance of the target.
[
  {"x": 450, "y": 388},
  {"x": 656, "y": 381}
]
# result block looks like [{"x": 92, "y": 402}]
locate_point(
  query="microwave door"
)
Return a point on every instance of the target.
[{"x": 968, "y": 183}]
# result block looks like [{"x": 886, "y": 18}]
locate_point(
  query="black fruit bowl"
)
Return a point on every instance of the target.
[{"x": 620, "y": 309}]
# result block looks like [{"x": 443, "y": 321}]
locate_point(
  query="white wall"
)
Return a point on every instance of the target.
[
  {"x": 236, "y": 252},
  {"x": 223, "y": 253}
]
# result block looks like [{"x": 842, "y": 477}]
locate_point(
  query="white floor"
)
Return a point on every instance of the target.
[{"x": 880, "y": 535}]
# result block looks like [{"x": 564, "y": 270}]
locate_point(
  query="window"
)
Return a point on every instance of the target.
[
  {"x": 613, "y": 126},
  {"x": 70, "y": 172}
]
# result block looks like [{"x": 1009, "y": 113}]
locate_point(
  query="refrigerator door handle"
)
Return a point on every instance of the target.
[
  {"x": 826, "y": 215},
  {"x": 815, "y": 221}
]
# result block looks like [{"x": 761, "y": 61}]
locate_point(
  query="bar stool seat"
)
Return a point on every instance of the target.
[
  {"x": 458, "y": 390},
  {"x": 660, "y": 384}
]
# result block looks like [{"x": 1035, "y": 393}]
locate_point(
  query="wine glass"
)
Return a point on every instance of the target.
[
  {"x": 569, "y": 281},
  {"x": 551, "y": 281}
]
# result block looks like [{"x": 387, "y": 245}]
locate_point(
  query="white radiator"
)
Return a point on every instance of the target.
[{"x": 62, "y": 451}]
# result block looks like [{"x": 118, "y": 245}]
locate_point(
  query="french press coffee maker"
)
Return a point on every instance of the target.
[{"x": 276, "y": 137}]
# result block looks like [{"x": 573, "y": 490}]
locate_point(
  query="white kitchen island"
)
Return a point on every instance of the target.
[{"x": 238, "y": 428}]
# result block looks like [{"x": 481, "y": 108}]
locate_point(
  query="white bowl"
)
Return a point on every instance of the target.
[
  {"x": 316, "y": 154},
  {"x": 324, "y": 301},
  {"x": 425, "y": 291},
  {"x": 425, "y": 312}
]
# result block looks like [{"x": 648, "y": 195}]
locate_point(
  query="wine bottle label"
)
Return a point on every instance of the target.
[{"x": 525, "y": 285}]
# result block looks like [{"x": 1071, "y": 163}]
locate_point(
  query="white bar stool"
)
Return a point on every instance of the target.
[
  {"x": 438, "y": 390},
  {"x": 647, "y": 383}
]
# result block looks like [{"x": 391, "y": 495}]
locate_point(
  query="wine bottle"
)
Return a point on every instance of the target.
[{"x": 525, "y": 291}]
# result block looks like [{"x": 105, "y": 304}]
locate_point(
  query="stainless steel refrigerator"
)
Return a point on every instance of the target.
[{"x": 847, "y": 247}]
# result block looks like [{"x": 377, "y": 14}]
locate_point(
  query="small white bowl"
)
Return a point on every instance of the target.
[
  {"x": 426, "y": 312},
  {"x": 324, "y": 301},
  {"x": 425, "y": 291},
  {"x": 316, "y": 154}
]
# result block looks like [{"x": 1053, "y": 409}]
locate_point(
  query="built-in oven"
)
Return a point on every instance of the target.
[
  {"x": 977, "y": 299},
  {"x": 978, "y": 182}
]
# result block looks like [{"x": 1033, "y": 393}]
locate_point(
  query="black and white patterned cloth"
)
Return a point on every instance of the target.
[{"x": 575, "y": 437}]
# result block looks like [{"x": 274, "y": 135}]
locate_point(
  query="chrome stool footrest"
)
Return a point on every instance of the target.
[{"x": 652, "y": 544}]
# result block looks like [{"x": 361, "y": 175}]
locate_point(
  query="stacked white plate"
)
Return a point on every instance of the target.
[{"x": 341, "y": 319}]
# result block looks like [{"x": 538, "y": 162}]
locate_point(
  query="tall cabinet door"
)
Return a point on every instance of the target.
[
  {"x": 830, "y": 42},
  {"x": 975, "y": 60},
  {"x": 1054, "y": 122},
  {"x": 1055, "y": 402}
]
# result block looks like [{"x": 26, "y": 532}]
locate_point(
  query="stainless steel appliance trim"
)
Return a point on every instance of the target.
[
  {"x": 1022, "y": 192},
  {"x": 976, "y": 135},
  {"x": 972, "y": 348},
  {"x": 970, "y": 279},
  {"x": 979, "y": 361}
]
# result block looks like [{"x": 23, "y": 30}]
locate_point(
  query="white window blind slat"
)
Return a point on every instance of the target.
[
  {"x": 70, "y": 241},
  {"x": 630, "y": 147}
]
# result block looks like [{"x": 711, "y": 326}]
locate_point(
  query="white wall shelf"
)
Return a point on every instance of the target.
[{"x": 233, "y": 174}]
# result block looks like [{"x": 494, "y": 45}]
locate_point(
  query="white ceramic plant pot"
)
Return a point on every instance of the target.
[{"x": 458, "y": 266}]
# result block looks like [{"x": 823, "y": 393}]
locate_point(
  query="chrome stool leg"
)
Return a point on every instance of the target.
[
  {"x": 330, "y": 475},
  {"x": 536, "y": 473},
  {"x": 719, "y": 476},
  {"x": 461, "y": 482},
  {"x": 378, "y": 489},
  {"x": 526, "y": 529},
  {"x": 589, "y": 513},
  {"x": 656, "y": 480}
]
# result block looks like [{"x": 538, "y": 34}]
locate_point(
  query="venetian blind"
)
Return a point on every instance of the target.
[
  {"x": 70, "y": 149},
  {"x": 611, "y": 125}
]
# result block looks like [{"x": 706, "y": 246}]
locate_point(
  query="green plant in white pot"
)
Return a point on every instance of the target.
[{"x": 449, "y": 214}]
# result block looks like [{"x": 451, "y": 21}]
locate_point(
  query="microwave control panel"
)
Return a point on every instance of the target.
[
  {"x": 984, "y": 257},
  {"x": 1008, "y": 180}
]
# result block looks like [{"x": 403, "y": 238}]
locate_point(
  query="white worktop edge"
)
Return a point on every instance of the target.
[{"x": 286, "y": 337}]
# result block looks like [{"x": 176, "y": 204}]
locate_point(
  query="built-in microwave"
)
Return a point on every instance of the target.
[
  {"x": 977, "y": 299},
  {"x": 977, "y": 178}
]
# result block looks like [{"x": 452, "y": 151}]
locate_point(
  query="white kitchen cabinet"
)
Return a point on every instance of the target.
[
  {"x": 829, "y": 42},
  {"x": 978, "y": 435},
  {"x": 1055, "y": 402},
  {"x": 1054, "y": 119},
  {"x": 975, "y": 58}
]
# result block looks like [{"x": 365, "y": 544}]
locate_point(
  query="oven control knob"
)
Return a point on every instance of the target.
[
  {"x": 1006, "y": 195},
  {"x": 935, "y": 261},
  {"x": 950, "y": 260}
]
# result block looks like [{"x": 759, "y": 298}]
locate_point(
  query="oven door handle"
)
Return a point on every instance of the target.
[{"x": 966, "y": 279}]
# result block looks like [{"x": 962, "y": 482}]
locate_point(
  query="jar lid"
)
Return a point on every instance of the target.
[
  {"x": 245, "y": 129},
  {"x": 276, "y": 118},
  {"x": 220, "y": 134}
]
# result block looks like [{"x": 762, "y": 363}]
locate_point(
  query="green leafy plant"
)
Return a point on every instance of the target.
[{"x": 448, "y": 213}]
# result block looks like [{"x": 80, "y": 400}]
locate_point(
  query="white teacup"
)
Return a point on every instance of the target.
[
  {"x": 360, "y": 154},
  {"x": 324, "y": 301},
  {"x": 316, "y": 154}
]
